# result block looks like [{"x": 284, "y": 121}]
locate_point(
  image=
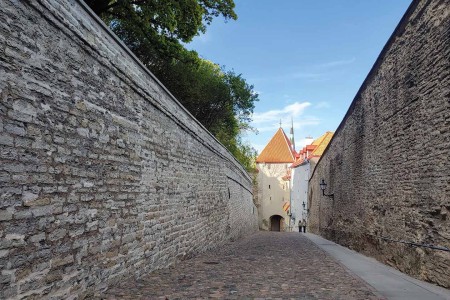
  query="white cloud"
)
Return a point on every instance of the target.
[
  {"x": 269, "y": 121},
  {"x": 306, "y": 121},
  {"x": 292, "y": 110},
  {"x": 302, "y": 143}
]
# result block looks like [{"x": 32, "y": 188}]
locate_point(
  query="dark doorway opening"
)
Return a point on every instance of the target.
[{"x": 275, "y": 223}]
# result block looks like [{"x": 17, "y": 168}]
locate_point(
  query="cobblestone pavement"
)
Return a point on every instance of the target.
[{"x": 267, "y": 265}]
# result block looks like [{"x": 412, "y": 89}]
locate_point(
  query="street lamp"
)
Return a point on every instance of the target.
[
  {"x": 291, "y": 216},
  {"x": 323, "y": 186},
  {"x": 304, "y": 207}
]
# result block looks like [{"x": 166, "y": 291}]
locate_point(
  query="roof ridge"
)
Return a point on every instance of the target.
[
  {"x": 278, "y": 149},
  {"x": 324, "y": 140}
]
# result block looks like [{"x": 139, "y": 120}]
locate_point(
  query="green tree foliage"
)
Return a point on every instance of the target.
[
  {"x": 221, "y": 100},
  {"x": 216, "y": 97},
  {"x": 154, "y": 29}
]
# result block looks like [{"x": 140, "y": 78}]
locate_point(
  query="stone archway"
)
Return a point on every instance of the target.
[{"x": 276, "y": 223}]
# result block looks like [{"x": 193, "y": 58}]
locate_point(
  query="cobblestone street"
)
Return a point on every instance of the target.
[{"x": 267, "y": 265}]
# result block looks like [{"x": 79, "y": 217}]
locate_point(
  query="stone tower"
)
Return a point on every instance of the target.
[{"x": 273, "y": 186}]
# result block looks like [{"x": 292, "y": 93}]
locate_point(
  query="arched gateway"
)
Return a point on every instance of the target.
[{"x": 276, "y": 223}]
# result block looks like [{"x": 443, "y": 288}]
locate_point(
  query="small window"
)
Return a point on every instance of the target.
[
  {"x": 269, "y": 186},
  {"x": 270, "y": 198}
]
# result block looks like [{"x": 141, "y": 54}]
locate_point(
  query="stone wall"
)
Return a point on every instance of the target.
[
  {"x": 103, "y": 174},
  {"x": 388, "y": 163}
]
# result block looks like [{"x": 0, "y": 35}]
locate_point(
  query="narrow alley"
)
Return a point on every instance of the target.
[
  {"x": 143, "y": 157},
  {"x": 266, "y": 265}
]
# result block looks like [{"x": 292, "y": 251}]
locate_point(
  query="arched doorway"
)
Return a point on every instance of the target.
[{"x": 276, "y": 223}]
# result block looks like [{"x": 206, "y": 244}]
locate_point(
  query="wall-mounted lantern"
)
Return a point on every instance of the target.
[
  {"x": 323, "y": 186},
  {"x": 291, "y": 215},
  {"x": 304, "y": 207}
]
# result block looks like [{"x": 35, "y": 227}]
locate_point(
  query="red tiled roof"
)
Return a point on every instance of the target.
[
  {"x": 322, "y": 143},
  {"x": 278, "y": 150},
  {"x": 297, "y": 163},
  {"x": 317, "y": 147}
]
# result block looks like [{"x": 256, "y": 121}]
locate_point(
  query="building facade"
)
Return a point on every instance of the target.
[{"x": 300, "y": 174}]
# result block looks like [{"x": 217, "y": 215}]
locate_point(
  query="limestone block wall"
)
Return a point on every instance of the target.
[
  {"x": 388, "y": 164},
  {"x": 102, "y": 172}
]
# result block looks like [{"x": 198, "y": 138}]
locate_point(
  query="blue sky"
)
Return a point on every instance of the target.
[{"x": 306, "y": 59}]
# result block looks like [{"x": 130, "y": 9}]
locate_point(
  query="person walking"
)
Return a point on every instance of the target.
[
  {"x": 299, "y": 226},
  {"x": 303, "y": 225}
]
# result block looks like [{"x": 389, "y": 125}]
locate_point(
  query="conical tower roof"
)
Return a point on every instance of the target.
[{"x": 278, "y": 150}]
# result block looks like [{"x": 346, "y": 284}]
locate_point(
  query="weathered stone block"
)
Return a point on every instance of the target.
[
  {"x": 57, "y": 234},
  {"x": 15, "y": 130},
  {"x": 29, "y": 197},
  {"x": 3, "y": 253},
  {"x": 13, "y": 240},
  {"x": 40, "y": 211},
  {"x": 388, "y": 163},
  {"x": 22, "y": 214},
  {"x": 38, "y": 237},
  {"x": 5, "y": 215},
  {"x": 61, "y": 261},
  {"x": 40, "y": 201},
  {"x": 88, "y": 159},
  {"x": 6, "y": 139},
  {"x": 4, "y": 177}
]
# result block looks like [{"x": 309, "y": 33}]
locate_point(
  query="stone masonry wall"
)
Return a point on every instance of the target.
[
  {"x": 388, "y": 164},
  {"x": 102, "y": 172}
]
